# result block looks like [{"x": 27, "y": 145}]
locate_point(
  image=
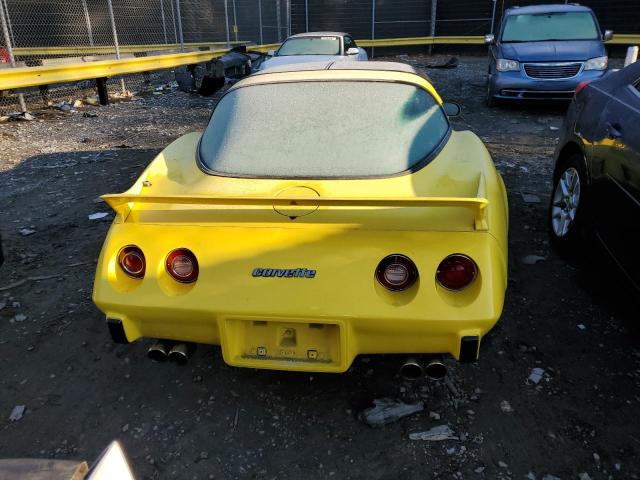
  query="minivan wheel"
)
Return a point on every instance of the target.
[
  {"x": 490, "y": 100},
  {"x": 567, "y": 203}
]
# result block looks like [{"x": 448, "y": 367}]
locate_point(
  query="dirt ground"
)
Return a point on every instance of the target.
[{"x": 208, "y": 420}]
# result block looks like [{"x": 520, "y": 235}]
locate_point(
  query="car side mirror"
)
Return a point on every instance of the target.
[
  {"x": 452, "y": 109},
  {"x": 353, "y": 51},
  {"x": 271, "y": 53},
  {"x": 489, "y": 39},
  {"x": 608, "y": 35}
]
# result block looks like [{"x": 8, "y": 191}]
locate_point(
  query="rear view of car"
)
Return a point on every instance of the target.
[
  {"x": 543, "y": 52},
  {"x": 352, "y": 219}
]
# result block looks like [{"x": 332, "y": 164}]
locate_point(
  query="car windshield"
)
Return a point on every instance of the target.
[
  {"x": 550, "y": 26},
  {"x": 310, "y": 46},
  {"x": 330, "y": 129}
]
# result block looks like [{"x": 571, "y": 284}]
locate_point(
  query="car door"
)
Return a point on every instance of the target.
[{"x": 618, "y": 153}]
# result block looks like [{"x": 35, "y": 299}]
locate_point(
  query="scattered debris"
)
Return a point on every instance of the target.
[
  {"x": 502, "y": 464},
  {"x": 450, "y": 62},
  {"x": 530, "y": 198},
  {"x": 25, "y": 232},
  {"x": 386, "y": 410},
  {"x": 21, "y": 317},
  {"x": 125, "y": 428},
  {"x": 435, "y": 434},
  {"x": 584, "y": 476},
  {"x": 17, "y": 413},
  {"x": 505, "y": 406},
  {"x": 553, "y": 129},
  {"x": 91, "y": 101},
  {"x": 550, "y": 477},
  {"x": 536, "y": 375},
  {"x": 21, "y": 117},
  {"x": 90, "y": 114},
  {"x": 434, "y": 415},
  {"x": 77, "y": 104},
  {"x": 28, "y": 279},
  {"x": 532, "y": 259},
  {"x": 98, "y": 215},
  {"x": 581, "y": 326}
]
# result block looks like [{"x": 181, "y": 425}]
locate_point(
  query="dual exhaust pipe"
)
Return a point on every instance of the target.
[
  {"x": 413, "y": 370},
  {"x": 177, "y": 352}
]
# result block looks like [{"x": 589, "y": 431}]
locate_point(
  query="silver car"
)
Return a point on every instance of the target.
[{"x": 315, "y": 47}]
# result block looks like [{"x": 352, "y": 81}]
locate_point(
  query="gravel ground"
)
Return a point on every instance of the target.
[{"x": 208, "y": 420}]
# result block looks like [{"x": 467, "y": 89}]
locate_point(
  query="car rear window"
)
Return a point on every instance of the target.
[
  {"x": 331, "y": 129},
  {"x": 550, "y": 26},
  {"x": 310, "y": 46}
]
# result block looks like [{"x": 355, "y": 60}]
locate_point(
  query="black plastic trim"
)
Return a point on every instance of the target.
[
  {"x": 469, "y": 349},
  {"x": 116, "y": 329}
]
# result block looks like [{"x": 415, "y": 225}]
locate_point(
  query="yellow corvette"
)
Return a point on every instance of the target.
[{"x": 326, "y": 211}]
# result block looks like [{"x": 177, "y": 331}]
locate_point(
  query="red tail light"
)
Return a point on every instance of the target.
[
  {"x": 131, "y": 260},
  {"x": 396, "y": 272},
  {"x": 581, "y": 86},
  {"x": 182, "y": 265},
  {"x": 456, "y": 272}
]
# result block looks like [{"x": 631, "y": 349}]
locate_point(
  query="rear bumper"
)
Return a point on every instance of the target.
[
  {"x": 517, "y": 86},
  {"x": 318, "y": 324},
  {"x": 318, "y": 345}
]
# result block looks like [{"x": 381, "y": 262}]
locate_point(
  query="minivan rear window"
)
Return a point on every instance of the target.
[
  {"x": 329, "y": 129},
  {"x": 550, "y": 26}
]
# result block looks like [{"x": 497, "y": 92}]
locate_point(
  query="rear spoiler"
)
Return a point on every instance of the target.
[{"x": 123, "y": 203}]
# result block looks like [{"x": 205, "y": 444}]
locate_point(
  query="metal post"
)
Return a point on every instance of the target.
[
  {"x": 6, "y": 12},
  {"x": 260, "y": 21},
  {"x": 235, "y": 21},
  {"x": 175, "y": 30},
  {"x": 180, "y": 36},
  {"x": 87, "y": 19},
  {"x": 115, "y": 39},
  {"x": 226, "y": 19},
  {"x": 9, "y": 45},
  {"x": 373, "y": 25},
  {"x": 279, "y": 21},
  {"x": 164, "y": 24},
  {"x": 288, "y": 6},
  {"x": 432, "y": 33},
  {"x": 306, "y": 15},
  {"x": 493, "y": 15}
]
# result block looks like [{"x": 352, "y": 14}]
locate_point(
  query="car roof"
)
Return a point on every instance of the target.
[
  {"x": 320, "y": 34},
  {"x": 341, "y": 65},
  {"x": 551, "y": 8}
]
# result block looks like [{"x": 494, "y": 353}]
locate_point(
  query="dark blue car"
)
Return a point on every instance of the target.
[{"x": 543, "y": 52}]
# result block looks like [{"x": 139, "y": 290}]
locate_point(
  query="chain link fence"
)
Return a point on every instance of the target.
[{"x": 41, "y": 32}]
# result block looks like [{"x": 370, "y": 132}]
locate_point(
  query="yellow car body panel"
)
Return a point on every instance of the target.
[{"x": 455, "y": 204}]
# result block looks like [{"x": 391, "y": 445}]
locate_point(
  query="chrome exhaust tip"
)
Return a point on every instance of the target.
[
  {"x": 181, "y": 352},
  {"x": 159, "y": 351},
  {"x": 411, "y": 370},
  {"x": 436, "y": 370}
]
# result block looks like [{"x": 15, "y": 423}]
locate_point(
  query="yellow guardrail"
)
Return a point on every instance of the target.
[
  {"x": 23, "y": 77},
  {"x": 110, "y": 49}
]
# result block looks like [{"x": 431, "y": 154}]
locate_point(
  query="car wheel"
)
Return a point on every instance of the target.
[{"x": 566, "y": 209}]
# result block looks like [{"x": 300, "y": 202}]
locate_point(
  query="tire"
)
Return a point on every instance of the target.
[
  {"x": 185, "y": 80},
  {"x": 490, "y": 100},
  {"x": 209, "y": 86},
  {"x": 567, "y": 206}
]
